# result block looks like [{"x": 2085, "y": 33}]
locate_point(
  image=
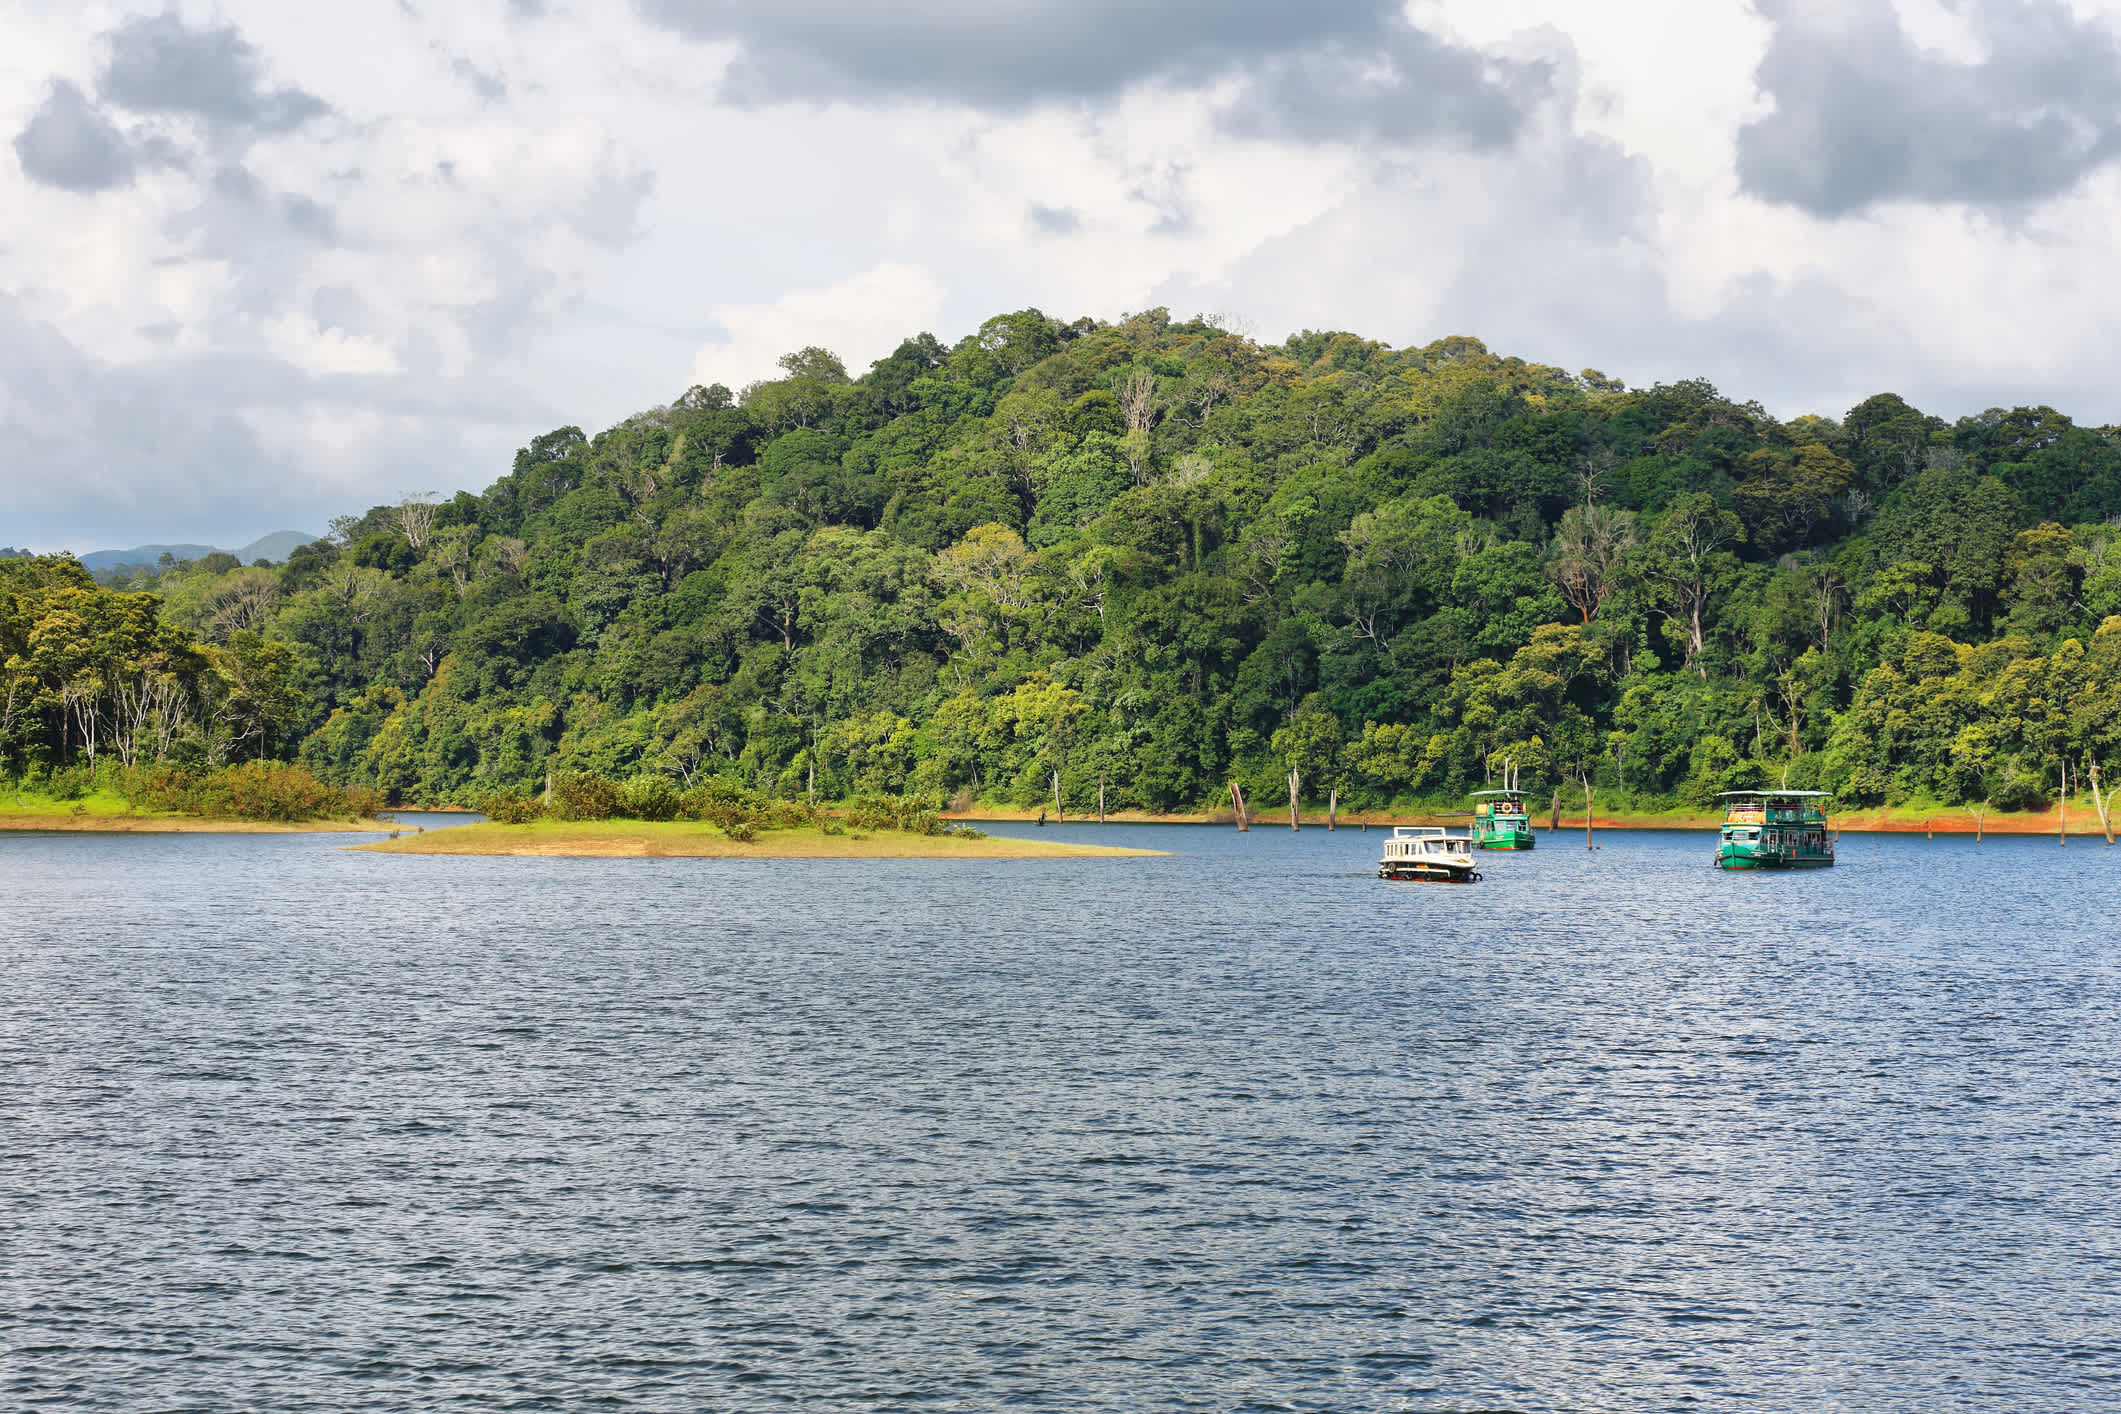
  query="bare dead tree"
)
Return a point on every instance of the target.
[
  {"x": 1138, "y": 403},
  {"x": 415, "y": 516},
  {"x": 81, "y": 700},
  {"x": 510, "y": 555},
  {"x": 137, "y": 703},
  {"x": 1588, "y": 545},
  {"x": 1206, "y": 385},
  {"x": 452, "y": 555},
  {"x": 244, "y": 599}
]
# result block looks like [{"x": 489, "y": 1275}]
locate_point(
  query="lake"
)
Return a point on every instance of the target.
[{"x": 288, "y": 1127}]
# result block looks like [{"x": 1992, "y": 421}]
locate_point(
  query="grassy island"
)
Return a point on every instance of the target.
[{"x": 688, "y": 839}]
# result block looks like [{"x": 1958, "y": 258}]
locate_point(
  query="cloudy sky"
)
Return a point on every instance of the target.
[{"x": 264, "y": 263}]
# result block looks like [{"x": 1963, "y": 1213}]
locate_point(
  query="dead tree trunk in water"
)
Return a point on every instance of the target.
[
  {"x": 1587, "y": 813},
  {"x": 2103, "y": 804},
  {"x": 2062, "y": 821},
  {"x": 1332, "y": 806},
  {"x": 1554, "y": 820},
  {"x": 1237, "y": 803},
  {"x": 1978, "y": 814},
  {"x": 1295, "y": 783},
  {"x": 1100, "y": 797},
  {"x": 1060, "y": 816}
]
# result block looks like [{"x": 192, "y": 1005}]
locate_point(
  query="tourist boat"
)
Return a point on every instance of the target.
[
  {"x": 1500, "y": 821},
  {"x": 1427, "y": 852},
  {"x": 1774, "y": 829}
]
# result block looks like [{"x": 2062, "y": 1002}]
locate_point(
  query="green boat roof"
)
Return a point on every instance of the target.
[
  {"x": 1776, "y": 794},
  {"x": 1512, "y": 794}
]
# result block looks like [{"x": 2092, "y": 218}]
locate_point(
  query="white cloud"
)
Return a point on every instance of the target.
[
  {"x": 395, "y": 295},
  {"x": 861, "y": 319}
]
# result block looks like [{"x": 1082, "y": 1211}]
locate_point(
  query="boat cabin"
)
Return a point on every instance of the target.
[
  {"x": 1774, "y": 829},
  {"x": 1500, "y": 820},
  {"x": 1427, "y": 852}
]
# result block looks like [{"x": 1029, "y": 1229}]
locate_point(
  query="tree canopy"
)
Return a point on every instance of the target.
[{"x": 1159, "y": 555}]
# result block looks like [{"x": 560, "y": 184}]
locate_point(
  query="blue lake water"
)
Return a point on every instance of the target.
[{"x": 286, "y": 1127}]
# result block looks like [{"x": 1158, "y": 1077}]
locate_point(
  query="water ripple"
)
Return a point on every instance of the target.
[{"x": 1244, "y": 1129}]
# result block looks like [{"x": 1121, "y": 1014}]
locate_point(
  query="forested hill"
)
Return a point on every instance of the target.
[{"x": 1162, "y": 555}]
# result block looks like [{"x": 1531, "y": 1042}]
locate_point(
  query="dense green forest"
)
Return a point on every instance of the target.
[{"x": 1159, "y": 555}]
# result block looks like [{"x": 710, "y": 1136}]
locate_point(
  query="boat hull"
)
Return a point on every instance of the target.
[
  {"x": 1408, "y": 871},
  {"x": 1735, "y": 860},
  {"x": 1514, "y": 839}
]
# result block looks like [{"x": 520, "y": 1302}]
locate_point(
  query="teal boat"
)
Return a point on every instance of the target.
[
  {"x": 1499, "y": 820},
  {"x": 1774, "y": 829}
]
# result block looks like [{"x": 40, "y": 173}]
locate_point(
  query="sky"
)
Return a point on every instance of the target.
[{"x": 263, "y": 264}]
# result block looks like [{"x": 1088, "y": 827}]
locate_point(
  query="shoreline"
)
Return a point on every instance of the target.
[
  {"x": 186, "y": 825},
  {"x": 1883, "y": 820},
  {"x": 2083, "y": 822}
]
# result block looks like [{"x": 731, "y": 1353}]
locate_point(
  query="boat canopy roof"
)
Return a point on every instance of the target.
[
  {"x": 1775, "y": 794},
  {"x": 1509, "y": 794}
]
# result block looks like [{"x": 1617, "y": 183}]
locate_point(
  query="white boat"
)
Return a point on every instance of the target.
[{"x": 1428, "y": 852}]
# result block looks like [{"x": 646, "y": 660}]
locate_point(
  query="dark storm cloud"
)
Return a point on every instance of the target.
[
  {"x": 1330, "y": 68},
  {"x": 1403, "y": 84},
  {"x": 1862, "y": 115},
  {"x": 159, "y": 64},
  {"x": 69, "y": 144}
]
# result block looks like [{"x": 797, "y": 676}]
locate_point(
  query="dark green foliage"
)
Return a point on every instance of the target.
[
  {"x": 649, "y": 797},
  {"x": 912, "y": 814},
  {"x": 510, "y": 806},
  {"x": 1156, "y": 556},
  {"x": 254, "y": 790},
  {"x": 583, "y": 795}
]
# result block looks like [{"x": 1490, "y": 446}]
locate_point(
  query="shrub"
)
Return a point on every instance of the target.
[
  {"x": 736, "y": 812},
  {"x": 916, "y": 815},
  {"x": 266, "y": 790},
  {"x": 581, "y": 795},
  {"x": 649, "y": 797},
  {"x": 509, "y": 806},
  {"x": 69, "y": 784},
  {"x": 254, "y": 790},
  {"x": 2015, "y": 790}
]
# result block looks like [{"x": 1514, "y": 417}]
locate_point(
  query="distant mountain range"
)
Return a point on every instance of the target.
[{"x": 274, "y": 547}]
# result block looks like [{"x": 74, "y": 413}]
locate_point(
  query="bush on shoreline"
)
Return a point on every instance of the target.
[
  {"x": 253, "y": 790},
  {"x": 719, "y": 801}
]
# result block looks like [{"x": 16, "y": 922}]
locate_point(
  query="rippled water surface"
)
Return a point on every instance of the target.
[{"x": 286, "y": 1127}]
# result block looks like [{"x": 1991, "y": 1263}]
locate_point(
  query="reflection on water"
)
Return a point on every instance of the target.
[{"x": 283, "y": 1126}]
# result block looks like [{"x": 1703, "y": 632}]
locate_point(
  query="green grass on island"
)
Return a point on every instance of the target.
[{"x": 688, "y": 839}]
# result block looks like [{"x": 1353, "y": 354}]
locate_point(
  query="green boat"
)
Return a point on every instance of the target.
[
  {"x": 1774, "y": 829},
  {"x": 1499, "y": 820}
]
